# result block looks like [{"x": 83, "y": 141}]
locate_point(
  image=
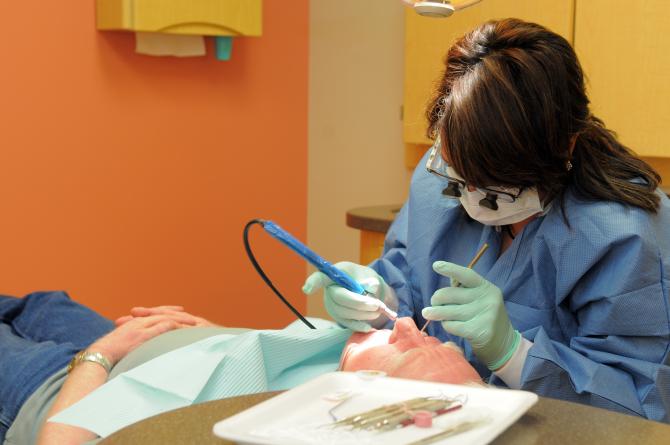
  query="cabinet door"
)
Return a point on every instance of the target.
[
  {"x": 624, "y": 48},
  {"x": 428, "y": 39}
]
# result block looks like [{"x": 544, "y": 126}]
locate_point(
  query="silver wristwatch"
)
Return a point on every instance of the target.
[{"x": 87, "y": 356}]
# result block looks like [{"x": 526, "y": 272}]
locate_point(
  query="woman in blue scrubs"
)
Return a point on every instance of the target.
[{"x": 571, "y": 298}]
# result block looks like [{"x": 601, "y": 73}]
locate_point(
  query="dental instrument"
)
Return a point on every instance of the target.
[
  {"x": 339, "y": 277},
  {"x": 461, "y": 427},
  {"x": 400, "y": 415},
  {"x": 455, "y": 283}
]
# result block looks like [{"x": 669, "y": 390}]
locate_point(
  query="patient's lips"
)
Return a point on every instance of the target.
[{"x": 406, "y": 353}]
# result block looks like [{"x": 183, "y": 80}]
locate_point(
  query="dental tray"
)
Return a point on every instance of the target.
[{"x": 301, "y": 415}]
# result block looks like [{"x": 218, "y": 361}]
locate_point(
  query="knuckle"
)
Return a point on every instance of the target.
[{"x": 438, "y": 313}]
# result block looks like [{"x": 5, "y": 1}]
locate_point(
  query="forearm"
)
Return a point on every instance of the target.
[
  {"x": 83, "y": 379},
  {"x": 86, "y": 376}
]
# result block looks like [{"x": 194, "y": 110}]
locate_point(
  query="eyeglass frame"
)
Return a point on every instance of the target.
[{"x": 437, "y": 165}]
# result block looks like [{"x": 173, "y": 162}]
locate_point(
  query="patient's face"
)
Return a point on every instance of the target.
[{"x": 405, "y": 352}]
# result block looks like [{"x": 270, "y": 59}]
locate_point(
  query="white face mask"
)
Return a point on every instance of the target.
[{"x": 526, "y": 205}]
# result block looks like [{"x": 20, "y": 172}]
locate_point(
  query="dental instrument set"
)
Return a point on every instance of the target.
[
  {"x": 401, "y": 414},
  {"x": 340, "y": 408}
]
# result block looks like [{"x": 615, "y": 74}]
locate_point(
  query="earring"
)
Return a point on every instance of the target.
[{"x": 568, "y": 166}]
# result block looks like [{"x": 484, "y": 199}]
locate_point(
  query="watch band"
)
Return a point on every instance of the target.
[{"x": 87, "y": 356}]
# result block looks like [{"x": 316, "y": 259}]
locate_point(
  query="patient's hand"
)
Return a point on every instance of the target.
[
  {"x": 406, "y": 353},
  {"x": 136, "y": 331},
  {"x": 85, "y": 378},
  {"x": 175, "y": 312}
]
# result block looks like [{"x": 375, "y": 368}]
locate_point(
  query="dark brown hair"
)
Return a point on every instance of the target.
[{"x": 508, "y": 109}]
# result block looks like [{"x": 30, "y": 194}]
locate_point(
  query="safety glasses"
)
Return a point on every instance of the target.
[{"x": 456, "y": 186}]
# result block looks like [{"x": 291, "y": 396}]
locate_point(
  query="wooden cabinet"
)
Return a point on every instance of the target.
[
  {"x": 624, "y": 48},
  {"x": 202, "y": 17},
  {"x": 373, "y": 222}
]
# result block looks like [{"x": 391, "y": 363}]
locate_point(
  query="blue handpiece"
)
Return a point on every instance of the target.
[{"x": 332, "y": 272}]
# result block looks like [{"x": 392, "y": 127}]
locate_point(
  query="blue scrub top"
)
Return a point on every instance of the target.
[{"x": 591, "y": 296}]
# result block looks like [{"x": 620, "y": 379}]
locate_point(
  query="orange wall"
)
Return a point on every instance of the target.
[{"x": 127, "y": 180}]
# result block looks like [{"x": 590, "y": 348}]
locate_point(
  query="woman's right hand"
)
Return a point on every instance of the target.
[
  {"x": 135, "y": 331},
  {"x": 350, "y": 309}
]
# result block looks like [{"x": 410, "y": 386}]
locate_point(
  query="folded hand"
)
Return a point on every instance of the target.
[
  {"x": 176, "y": 312},
  {"x": 142, "y": 325}
]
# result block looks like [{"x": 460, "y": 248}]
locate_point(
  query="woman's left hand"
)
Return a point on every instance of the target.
[{"x": 475, "y": 311}]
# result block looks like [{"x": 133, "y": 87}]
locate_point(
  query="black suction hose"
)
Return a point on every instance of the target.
[{"x": 265, "y": 278}]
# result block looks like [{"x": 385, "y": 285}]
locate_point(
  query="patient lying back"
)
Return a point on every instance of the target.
[{"x": 407, "y": 353}]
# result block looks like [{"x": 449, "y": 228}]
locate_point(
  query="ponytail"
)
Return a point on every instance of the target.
[{"x": 605, "y": 169}]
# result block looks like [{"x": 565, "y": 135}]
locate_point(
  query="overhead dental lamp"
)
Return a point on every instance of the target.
[{"x": 441, "y": 8}]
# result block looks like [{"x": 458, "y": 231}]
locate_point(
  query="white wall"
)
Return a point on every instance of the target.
[{"x": 355, "y": 147}]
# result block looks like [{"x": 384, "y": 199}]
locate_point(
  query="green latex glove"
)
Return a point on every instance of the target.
[
  {"x": 476, "y": 312},
  {"x": 348, "y": 308}
]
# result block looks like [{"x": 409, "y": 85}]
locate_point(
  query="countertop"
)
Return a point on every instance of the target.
[{"x": 549, "y": 422}]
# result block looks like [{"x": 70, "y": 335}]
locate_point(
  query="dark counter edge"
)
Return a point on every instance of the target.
[{"x": 379, "y": 218}]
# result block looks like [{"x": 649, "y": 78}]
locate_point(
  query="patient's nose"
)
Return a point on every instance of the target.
[{"x": 406, "y": 332}]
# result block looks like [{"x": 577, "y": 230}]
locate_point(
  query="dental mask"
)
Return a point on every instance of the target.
[{"x": 526, "y": 205}]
